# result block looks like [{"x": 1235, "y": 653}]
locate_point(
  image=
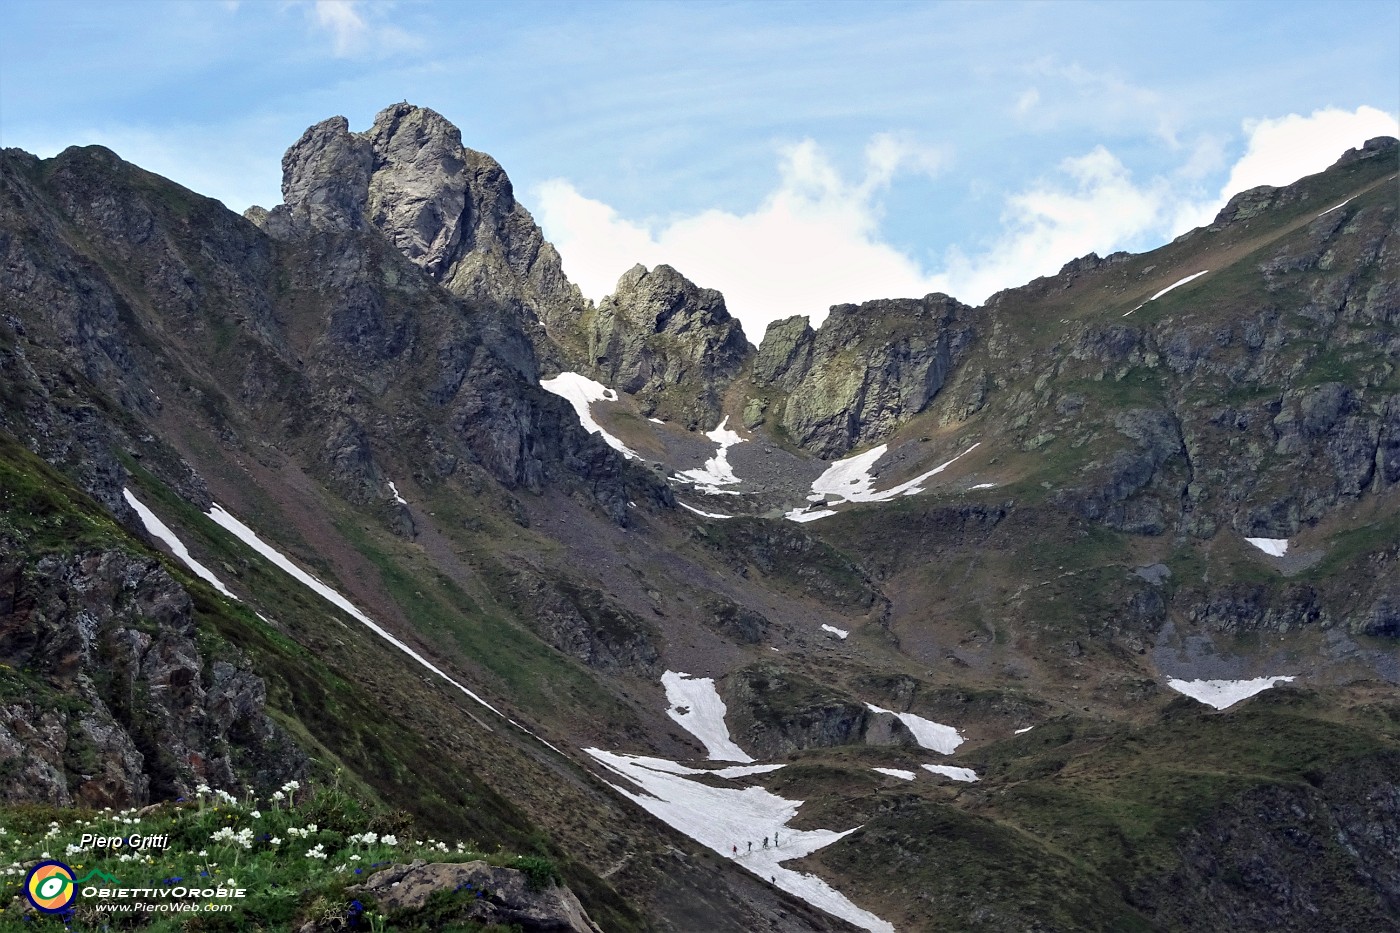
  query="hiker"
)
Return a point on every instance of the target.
[
  {"x": 765, "y": 842},
  {"x": 775, "y": 840},
  {"x": 736, "y": 851},
  {"x": 751, "y": 847}
]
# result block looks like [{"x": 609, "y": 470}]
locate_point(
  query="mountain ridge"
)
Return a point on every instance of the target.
[{"x": 1085, "y": 456}]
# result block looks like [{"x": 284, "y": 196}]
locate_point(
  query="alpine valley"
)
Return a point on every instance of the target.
[{"x": 1079, "y": 610}]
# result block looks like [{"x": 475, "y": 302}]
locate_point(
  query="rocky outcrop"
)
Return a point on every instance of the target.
[
  {"x": 869, "y": 369},
  {"x": 773, "y": 712},
  {"x": 486, "y": 895},
  {"x": 667, "y": 342},
  {"x": 451, "y": 210},
  {"x": 111, "y": 697},
  {"x": 583, "y": 623}
]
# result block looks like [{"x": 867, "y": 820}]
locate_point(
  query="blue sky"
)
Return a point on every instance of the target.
[{"x": 791, "y": 154}]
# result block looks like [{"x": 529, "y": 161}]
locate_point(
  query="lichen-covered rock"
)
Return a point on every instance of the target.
[
  {"x": 669, "y": 343},
  {"x": 873, "y": 367}
]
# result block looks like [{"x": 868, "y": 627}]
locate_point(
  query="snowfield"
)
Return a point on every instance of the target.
[
  {"x": 1274, "y": 547},
  {"x": 395, "y": 490},
  {"x": 838, "y": 632},
  {"x": 929, "y": 734},
  {"x": 896, "y": 772},
  {"x": 849, "y": 480},
  {"x": 581, "y": 392},
  {"x": 728, "y": 818},
  {"x": 1225, "y": 693},
  {"x": 161, "y": 532},
  {"x": 716, "y": 472},
  {"x": 696, "y": 706},
  {"x": 948, "y": 771}
]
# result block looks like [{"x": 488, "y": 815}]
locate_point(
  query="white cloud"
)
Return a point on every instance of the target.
[
  {"x": 1101, "y": 209},
  {"x": 1284, "y": 150},
  {"x": 340, "y": 18},
  {"x": 353, "y": 34},
  {"x": 1027, "y": 101},
  {"x": 816, "y": 239},
  {"x": 813, "y": 242}
]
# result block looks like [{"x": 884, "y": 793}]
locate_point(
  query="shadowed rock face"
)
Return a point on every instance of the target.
[
  {"x": 669, "y": 342},
  {"x": 449, "y": 209}
]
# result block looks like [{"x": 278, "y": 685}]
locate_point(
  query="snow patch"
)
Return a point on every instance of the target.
[
  {"x": 1177, "y": 285},
  {"x": 656, "y": 421},
  {"x": 838, "y": 632},
  {"x": 850, "y": 479},
  {"x": 1025, "y": 730},
  {"x": 985, "y": 486},
  {"x": 395, "y": 490},
  {"x": 161, "y": 531},
  {"x": 728, "y": 818},
  {"x": 1335, "y": 206},
  {"x": 697, "y": 707},
  {"x": 896, "y": 772},
  {"x": 698, "y": 512},
  {"x": 245, "y": 534},
  {"x": 1274, "y": 547},
  {"x": 929, "y": 734},
  {"x": 802, "y": 515},
  {"x": 580, "y": 391},
  {"x": 1225, "y": 693},
  {"x": 948, "y": 771},
  {"x": 716, "y": 472}
]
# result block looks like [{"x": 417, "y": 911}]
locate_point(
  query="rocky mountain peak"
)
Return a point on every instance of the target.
[
  {"x": 449, "y": 209},
  {"x": 669, "y": 342}
]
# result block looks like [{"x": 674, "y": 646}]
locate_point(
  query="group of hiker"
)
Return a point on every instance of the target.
[{"x": 750, "y": 845}]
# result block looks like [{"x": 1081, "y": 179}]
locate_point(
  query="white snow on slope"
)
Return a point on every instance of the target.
[
  {"x": 850, "y": 481},
  {"x": 1025, "y": 730},
  {"x": 700, "y": 513},
  {"x": 696, "y": 705},
  {"x": 838, "y": 632},
  {"x": 245, "y": 534},
  {"x": 1169, "y": 288},
  {"x": 1274, "y": 547},
  {"x": 161, "y": 531},
  {"x": 1178, "y": 284},
  {"x": 1335, "y": 206},
  {"x": 896, "y": 772},
  {"x": 985, "y": 486},
  {"x": 395, "y": 490},
  {"x": 1224, "y": 693},
  {"x": 725, "y": 818},
  {"x": 656, "y": 421},
  {"x": 716, "y": 472},
  {"x": 948, "y": 771},
  {"x": 802, "y": 515},
  {"x": 929, "y": 734},
  {"x": 580, "y": 391}
]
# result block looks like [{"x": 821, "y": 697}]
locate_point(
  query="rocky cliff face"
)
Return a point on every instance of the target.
[
  {"x": 669, "y": 343},
  {"x": 869, "y": 369},
  {"x": 112, "y": 699},
  {"x": 449, "y": 209}
]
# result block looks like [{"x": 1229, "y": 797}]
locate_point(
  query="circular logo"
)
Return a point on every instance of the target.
[{"x": 50, "y": 887}]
